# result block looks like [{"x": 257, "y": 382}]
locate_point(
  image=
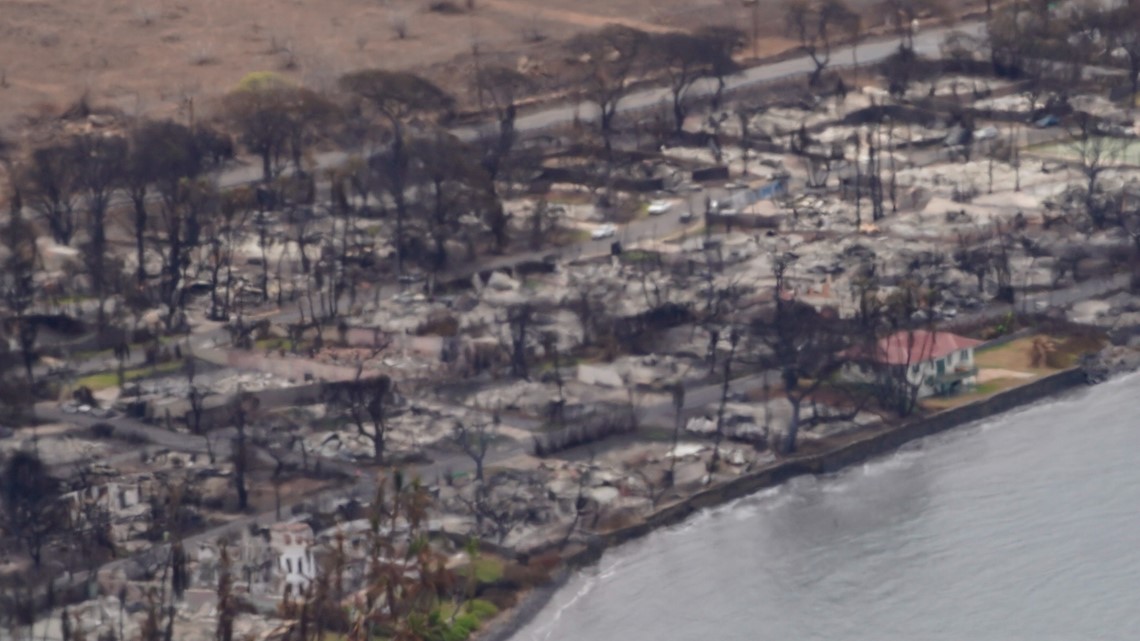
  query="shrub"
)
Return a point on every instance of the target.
[
  {"x": 202, "y": 54},
  {"x": 446, "y": 7},
  {"x": 454, "y": 634},
  {"x": 501, "y": 598},
  {"x": 525, "y": 576},
  {"x": 488, "y": 570},
  {"x": 482, "y": 609},
  {"x": 399, "y": 26}
]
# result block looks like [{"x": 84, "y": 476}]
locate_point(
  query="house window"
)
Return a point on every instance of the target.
[
  {"x": 965, "y": 356},
  {"x": 941, "y": 365},
  {"x": 289, "y": 566},
  {"x": 914, "y": 368}
]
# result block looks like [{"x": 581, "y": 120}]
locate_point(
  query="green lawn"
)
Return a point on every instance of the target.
[
  {"x": 982, "y": 390},
  {"x": 106, "y": 380},
  {"x": 1114, "y": 151},
  {"x": 488, "y": 569},
  {"x": 1016, "y": 355}
]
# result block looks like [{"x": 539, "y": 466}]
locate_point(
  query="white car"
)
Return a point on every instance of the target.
[
  {"x": 986, "y": 133},
  {"x": 658, "y": 207},
  {"x": 604, "y": 231}
]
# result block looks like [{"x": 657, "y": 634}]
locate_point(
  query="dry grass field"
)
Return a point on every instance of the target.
[{"x": 155, "y": 57}]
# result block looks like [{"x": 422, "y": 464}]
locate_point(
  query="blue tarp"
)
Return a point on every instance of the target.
[{"x": 747, "y": 198}]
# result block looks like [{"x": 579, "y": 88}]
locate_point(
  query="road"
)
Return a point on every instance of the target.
[{"x": 872, "y": 51}]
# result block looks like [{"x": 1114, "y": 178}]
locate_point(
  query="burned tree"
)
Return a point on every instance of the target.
[
  {"x": 450, "y": 186},
  {"x": 30, "y": 499},
  {"x": 245, "y": 410},
  {"x": 903, "y": 16},
  {"x": 182, "y": 215},
  {"x": 686, "y": 58},
  {"x": 224, "y": 226},
  {"x": 308, "y": 115},
  {"x": 365, "y": 400},
  {"x": 730, "y": 40},
  {"x": 49, "y": 182},
  {"x": 160, "y": 155},
  {"x": 519, "y": 326},
  {"x": 396, "y": 98},
  {"x": 725, "y": 383},
  {"x": 908, "y": 321},
  {"x": 503, "y": 88},
  {"x": 804, "y": 347},
  {"x": 1095, "y": 153},
  {"x": 817, "y": 24},
  {"x": 102, "y": 165},
  {"x": 610, "y": 58},
  {"x": 17, "y": 278},
  {"x": 476, "y": 439},
  {"x": 1121, "y": 27},
  {"x": 259, "y": 111}
]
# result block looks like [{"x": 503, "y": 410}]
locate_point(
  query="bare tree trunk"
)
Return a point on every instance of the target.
[
  {"x": 793, "y": 424},
  {"x": 678, "y": 408},
  {"x": 734, "y": 338}
]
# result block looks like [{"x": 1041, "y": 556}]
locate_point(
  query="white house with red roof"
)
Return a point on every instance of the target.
[{"x": 939, "y": 363}]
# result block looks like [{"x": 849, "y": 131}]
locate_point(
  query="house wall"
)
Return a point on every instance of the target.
[
  {"x": 294, "y": 552},
  {"x": 918, "y": 373}
]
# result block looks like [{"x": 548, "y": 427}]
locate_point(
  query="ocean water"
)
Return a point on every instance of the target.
[{"x": 1024, "y": 526}]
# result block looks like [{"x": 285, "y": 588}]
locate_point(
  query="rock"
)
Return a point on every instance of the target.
[
  {"x": 501, "y": 282},
  {"x": 605, "y": 477},
  {"x": 701, "y": 425},
  {"x": 1109, "y": 362},
  {"x": 603, "y": 375},
  {"x": 100, "y": 120},
  {"x": 604, "y": 495},
  {"x": 562, "y": 487},
  {"x": 690, "y": 473},
  {"x": 686, "y": 450}
]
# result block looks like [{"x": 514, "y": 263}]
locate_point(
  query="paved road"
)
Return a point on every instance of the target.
[{"x": 925, "y": 43}]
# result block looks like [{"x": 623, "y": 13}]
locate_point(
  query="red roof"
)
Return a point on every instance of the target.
[{"x": 910, "y": 347}]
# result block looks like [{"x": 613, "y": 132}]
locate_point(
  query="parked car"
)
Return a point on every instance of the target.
[
  {"x": 603, "y": 231},
  {"x": 658, "y": 207},
  {"x": 986, "y": 133}
]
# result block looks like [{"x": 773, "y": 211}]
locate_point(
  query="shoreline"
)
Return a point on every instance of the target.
[{"x": 863, "y": 446}]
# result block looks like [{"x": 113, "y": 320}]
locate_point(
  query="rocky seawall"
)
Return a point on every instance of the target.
[{"x": 1114, "y": 360}]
